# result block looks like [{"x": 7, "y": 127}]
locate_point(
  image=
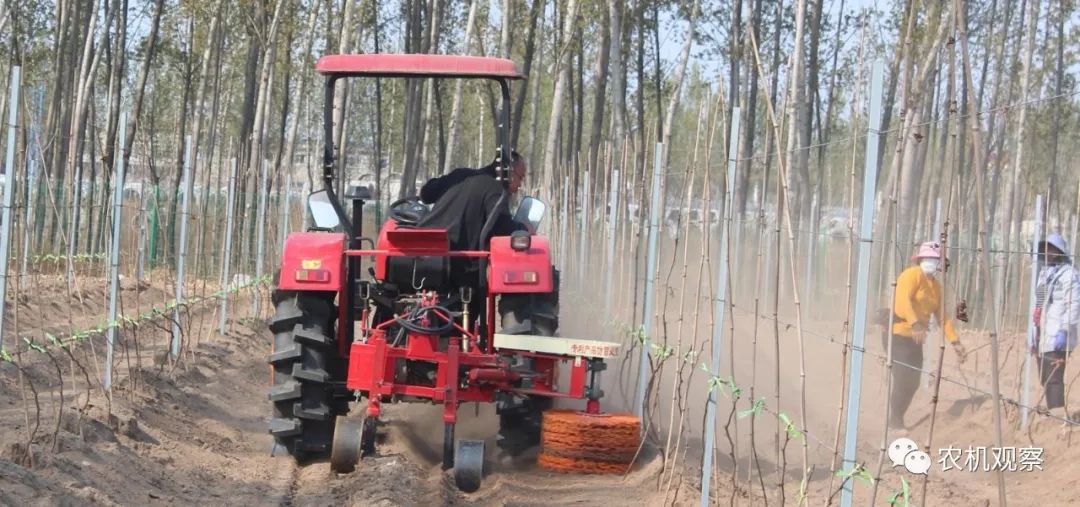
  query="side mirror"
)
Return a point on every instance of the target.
[
  {"x": 322, "y": 210},
  {"x": 531, "y": 211}
]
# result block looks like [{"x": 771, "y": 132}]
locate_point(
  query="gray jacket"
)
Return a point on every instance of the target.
[{"x": 1061, "y": 311}]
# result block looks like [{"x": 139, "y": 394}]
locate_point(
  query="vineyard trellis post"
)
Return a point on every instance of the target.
[
  {"x": 114, "y": 259},
  {"x": 140, "y": 272},
  {"x": 866, "y": 230},
  {"x": 227, "y": 255},
  {"x": 609, "y": 268},
  {"x": 564, "y": 220},
  {"x": 583, "y": 248},
  {"x": 28, "y": 214},
  {"x": 720, "y": 307},
  {"x": 9, "y": 193},
  {"x": 650, "y": 283},
  {"x": 181, "y": 257},
  {"x": 260, "y": 236},
  {"x": 154, "y": 225},
  {"x": 1031, "y": 330},
  {"x": 283, "y": 232},
  {"x": 73, "y": 236},
  {"x": 938, "y": 226}
]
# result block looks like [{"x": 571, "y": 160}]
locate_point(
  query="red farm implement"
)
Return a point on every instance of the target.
[{"x": 421, "y": 327}]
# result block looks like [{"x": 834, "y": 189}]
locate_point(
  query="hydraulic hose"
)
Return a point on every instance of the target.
[{"x": 411, "y": 321}]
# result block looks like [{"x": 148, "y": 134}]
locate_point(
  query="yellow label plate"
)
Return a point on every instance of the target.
[{"x": 311, "y": 263}]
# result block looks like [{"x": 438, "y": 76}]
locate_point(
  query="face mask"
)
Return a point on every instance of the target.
[{"x": 929, "y": 266}]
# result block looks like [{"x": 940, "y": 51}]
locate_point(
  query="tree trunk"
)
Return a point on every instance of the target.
[
  {"x": 534, "y": 116},
  {"x": 530, "y": 51},
  {"x": 505, "y": 41},
  {"x": 746, "y": 148},
  {"x": 1064, "y": 8},
  {"x": 429, "y": 92},
  {"x": 140, "y": 88},
  {"x": 181, "y": 130},
  {"x": 301, "y": 89},
  {"x": 600, "y": 90},
  {"x": 204, "y": 82},
  {"x": 414, "y": 36},
  {"x": 618, "y": 75},
  {"x": 826, "y": 129},
  {"x": 677, "y": 83},
  {"x": 341, "y": 89},
  {"x": 562, "y": 66},
  {"x": 455, "y": 107},
  {"x": 1013, "y": 182},
  {"x": 794, "y": 106}
]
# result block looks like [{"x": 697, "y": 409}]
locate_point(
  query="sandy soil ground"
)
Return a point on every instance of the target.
[{"x": 196, "y": 434}]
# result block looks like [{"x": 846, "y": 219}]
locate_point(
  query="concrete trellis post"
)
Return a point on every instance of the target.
[
  {"x": 114, "y": 258},
  {"x": 9, "y": 193},
  {"x": 227, "y": 255},
  {"x": 260, "y": 236},
  {"x": 650, "y": 282},
  {"x": 866, "y": 231},
  {"x": 583, "y": 242},
  {"x": 181, "y": 257},
  {"x": 720, "y": 308},
  {"x": 1031, "y": 330},
  {"x": 612, "y": 215}
]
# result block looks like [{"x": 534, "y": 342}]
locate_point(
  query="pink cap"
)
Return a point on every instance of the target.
[{"x": 928, "y": 250}]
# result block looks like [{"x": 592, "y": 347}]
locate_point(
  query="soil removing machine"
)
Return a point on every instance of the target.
[{"x": 421, "y": 326}]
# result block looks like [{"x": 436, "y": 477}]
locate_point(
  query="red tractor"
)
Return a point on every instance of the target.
[{"x": 417, "y": 328}]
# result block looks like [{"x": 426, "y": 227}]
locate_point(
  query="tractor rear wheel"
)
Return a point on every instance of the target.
[
  {"x": 520, "y": 415},
  {"x": 304, "y": 364}
]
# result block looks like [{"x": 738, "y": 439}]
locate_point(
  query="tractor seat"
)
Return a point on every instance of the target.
[
  {"x": 420, "y": 272},
  {"x": 424, "y": 264}
]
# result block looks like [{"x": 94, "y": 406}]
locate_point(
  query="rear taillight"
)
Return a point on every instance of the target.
[
  {"x": 520, "y": 277},
  {"x": 312, "y": 275}
]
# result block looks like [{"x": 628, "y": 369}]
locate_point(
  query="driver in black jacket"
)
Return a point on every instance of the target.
[{"x": 464, "y": 199}]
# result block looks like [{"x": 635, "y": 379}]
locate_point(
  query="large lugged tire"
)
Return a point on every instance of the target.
[{"x": 303, "y": 361}]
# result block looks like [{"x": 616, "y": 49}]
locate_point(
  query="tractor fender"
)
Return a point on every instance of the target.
[
  {"x": 524, "y": 272},
  {"x": 313, "y": 261}
]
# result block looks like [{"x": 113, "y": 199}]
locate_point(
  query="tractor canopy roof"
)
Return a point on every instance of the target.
[{"x": 418, "y": 65}]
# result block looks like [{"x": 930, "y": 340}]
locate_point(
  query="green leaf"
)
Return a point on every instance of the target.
[
  {"x": 662, "y": 352},
  {"x": 716, "y": 383},
  {"x": 641, "y": 335},
  {"x": 33, "y": 345},
  {"x": 754, "y": 409},
  {"x": 901, "y": 498},
  {"x": 792, "y": 430},
  {"x": 858, "y": 472}
]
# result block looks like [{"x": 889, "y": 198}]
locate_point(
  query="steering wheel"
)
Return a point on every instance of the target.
[{"x": 407, "y": 211}]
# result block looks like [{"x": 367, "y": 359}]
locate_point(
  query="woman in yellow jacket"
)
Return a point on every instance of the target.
[{"x": 917, "y": 299}]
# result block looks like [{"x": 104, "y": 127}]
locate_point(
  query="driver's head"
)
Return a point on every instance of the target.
[{"x": 517, "y": 172}]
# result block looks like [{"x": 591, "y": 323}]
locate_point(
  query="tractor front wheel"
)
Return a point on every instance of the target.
[{"x": 303, "y": 362}]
